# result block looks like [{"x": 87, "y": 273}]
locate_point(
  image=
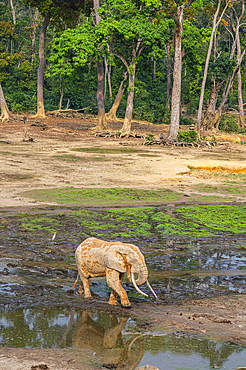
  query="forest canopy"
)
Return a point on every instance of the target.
[{"x": 163, "y": 61}]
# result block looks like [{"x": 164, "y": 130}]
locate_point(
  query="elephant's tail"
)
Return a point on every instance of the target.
[{"x": 74, "y": 285}]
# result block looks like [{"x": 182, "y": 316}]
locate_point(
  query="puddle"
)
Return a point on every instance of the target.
[{"x": 114, "y": 340}]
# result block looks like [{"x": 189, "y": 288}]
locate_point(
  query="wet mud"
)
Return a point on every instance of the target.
[{"x": 198, "y": 273}]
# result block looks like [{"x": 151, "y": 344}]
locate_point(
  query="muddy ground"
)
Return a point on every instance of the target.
[{"x": 48, "y": 161}]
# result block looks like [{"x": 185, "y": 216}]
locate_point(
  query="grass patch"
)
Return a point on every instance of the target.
[
  {"x": 74, "y": 158},
  {"x": 102, "y": 196},
  {"x": 108, "y": 150},
  {"x": 238, "y": 177},
  {"x": 146, "y": 225},
  {"x": 44, "y": 223},
  {"x": 226, "y": 218},
  {"x": 148, "y": 155},
  {"x": 204, "y": 198},
  {"x": 223, "y": 189}
]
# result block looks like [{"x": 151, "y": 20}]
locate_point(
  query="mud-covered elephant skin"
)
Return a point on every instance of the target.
[{"x": 95, "y": 257}]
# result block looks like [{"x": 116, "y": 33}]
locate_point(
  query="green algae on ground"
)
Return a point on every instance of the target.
[
  {"x": 102, "y": 196},
  {"x": 45, "y": 223},
  {"x": 226, "y": 218},
  {"x": 115, "y": 223},
  {"x": 169, "y": 225},
  {"x": 145, "y": 224}
]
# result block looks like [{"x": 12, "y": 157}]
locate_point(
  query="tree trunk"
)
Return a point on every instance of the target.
[
  {"x": 168, "y": 75},
  {"x": 40, "y": 92},
  {"x": 61, "y": 98},
  {"x": 111, "y": 115},
  {"x": 176, "y": 93},
  {"x": 223, "y": 101},
  {"x": 109, "y": 82},
  {"x": 13, "y": 11},
  {"x": 14, "y": 21},
  {"x": 101, "y": 123},
  {"x": 126, "y": 128},
  {"x": 6, "y": 115},
  {"x": 211, "y": 107},
  {"x": 239, "y": 80},
  {"x": 241, "y": 120},
  {"x": 215, "y": 25}
]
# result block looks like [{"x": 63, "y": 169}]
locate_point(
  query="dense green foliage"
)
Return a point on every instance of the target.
[{"x": 71, "y": 55}]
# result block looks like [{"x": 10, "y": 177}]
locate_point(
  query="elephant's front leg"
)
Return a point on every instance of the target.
[
  {"x": 114, "y": 281},
  {"x": 113, "y": 296}
]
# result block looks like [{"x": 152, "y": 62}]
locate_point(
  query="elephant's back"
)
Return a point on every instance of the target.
[{"x": 89, "y": 256}]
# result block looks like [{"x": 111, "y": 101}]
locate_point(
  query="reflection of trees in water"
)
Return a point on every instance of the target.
[
  {"x": 101, "y": 333},
  {"x": 216, "y": 352},
  {"x": 31, "y": 328}
]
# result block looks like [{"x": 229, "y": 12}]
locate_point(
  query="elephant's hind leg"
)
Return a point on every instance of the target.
[
  {"x": 114, "y": 281},
  {"x": 85, "y": 282},
  {"x": 113, "y": 298}
]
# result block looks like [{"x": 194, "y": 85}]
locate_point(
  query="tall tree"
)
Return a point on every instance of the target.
[
  {"x": 102, "y": 123},
  {"x": 177, "y": 9},
  {"x": 216, "y": 22},
  {"x": 6, "y": 61},
  {"x": 235, "y": 27},
  {"x": 128, "y": 28},
  {"x": 59, "y": 11}
]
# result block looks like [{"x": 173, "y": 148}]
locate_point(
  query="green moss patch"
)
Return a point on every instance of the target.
[
  {"x": 108, "y": 150},
  {"x": 225, "y": 218},
  {"x": 102, "y": 196},
  {"x": 143, "y": 224}
]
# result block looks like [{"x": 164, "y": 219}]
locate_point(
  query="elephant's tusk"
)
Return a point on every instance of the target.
[
  {"x": 136, "y": 287},
  {"x": 150, "y": 287}
]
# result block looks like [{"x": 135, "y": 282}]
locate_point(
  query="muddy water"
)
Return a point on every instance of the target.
[
  {"x": 37, "y": 250},
  {"x": 116, "y": 342}
]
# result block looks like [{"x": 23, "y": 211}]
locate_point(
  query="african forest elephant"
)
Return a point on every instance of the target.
[{"x": 95, "y": 257}]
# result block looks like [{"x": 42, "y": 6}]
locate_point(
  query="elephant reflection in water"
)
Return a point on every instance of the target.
[{"x": 107, "y": 343}]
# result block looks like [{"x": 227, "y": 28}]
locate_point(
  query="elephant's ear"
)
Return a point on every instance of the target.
[{"x": 114, "y": 260}]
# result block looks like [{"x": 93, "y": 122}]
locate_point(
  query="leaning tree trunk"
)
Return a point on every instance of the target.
[
  {"x": 6, "y": 115},
  {"x": 126, "y": 128},
  {"x": 215, "y": 25},
  {"x": 40, "y": 90},
  {"x": 216, "y": 119},
  {"x": 239, "y": 84},
  {"x": 211, "y": 107},
  {"x": 111, "y": 115},
  {"x": 176, "y": 93}
]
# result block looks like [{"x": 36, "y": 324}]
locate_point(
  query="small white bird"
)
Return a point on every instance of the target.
[{"x": 53, "y": 237}]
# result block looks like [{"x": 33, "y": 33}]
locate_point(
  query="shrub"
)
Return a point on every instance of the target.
[
  {"x": 187, "y": 136},
  {"x": 228, "y": 124},
  {"x": 186, "y": 121}
]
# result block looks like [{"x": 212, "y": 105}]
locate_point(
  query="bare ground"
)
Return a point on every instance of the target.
[{"x": 44, "y": 163}]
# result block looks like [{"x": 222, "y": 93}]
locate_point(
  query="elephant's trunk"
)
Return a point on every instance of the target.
[{"x": 142, "y": 275}]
